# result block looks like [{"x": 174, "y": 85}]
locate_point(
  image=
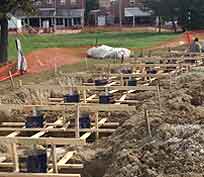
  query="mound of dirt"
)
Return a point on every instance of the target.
[{"x": 176, "y": 145}]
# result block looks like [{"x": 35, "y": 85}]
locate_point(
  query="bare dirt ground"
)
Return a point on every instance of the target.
[
  {"x": 176, "y": 148},
  {"x": 47, "y": 59}
]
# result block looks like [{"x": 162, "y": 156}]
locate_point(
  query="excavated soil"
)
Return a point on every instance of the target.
[{"x": 175, "y": 149}]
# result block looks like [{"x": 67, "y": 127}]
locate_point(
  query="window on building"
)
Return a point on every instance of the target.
[
  {"x": 37, "y": 3},
  {"x": 74, "y": 2},
  {"x": 49, "y": 1},
  {"x": 62, "y": 2},
  {"x": 131, "y": 3}
]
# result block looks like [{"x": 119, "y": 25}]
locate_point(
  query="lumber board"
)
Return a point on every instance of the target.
[
  {"x": 14, "y": 134},
  {"x": 186, "y": 53},
  {"x": 110, "y": 84},
  {"x": 10, "y": 125},
  {"x": 108, "y": 108},
  {"x": 64, "y": 159},
  {"x": 112, "y": 76},
  {"x": 100, "y": 123},
  {"x": 128, "y": 101},
  {"x": 183, "y": 175},
  {"x": 77, "y": 126},
  {"x": 94, "y": 96},
  {"x": 113, "y": 91},
  {"x": 122, "y": 99},
  {"x": 21, "y": 124},
  {"x": 71, "y": 107},
  {"x": 54, "y": 159},
  {"x": 144, "y": 65},
  {"x": 111, "y": 87},
  {"x": 63, "y": 166},
  {"x": 39, "y": 134},
  {"x": 120, "y": 88},
  {"x": 71, "y": 130},
  {"x": 15, "y": 157},
  {"x": 41, "y": 141},
  {"x": 69, "y": 166},
  {"x": 91, "y": 97},
  {"x": 2, "y": 159},
  {"x": 6, "y": 174}
]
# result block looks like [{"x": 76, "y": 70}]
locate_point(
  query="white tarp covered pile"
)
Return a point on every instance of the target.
[{"x": 104, "y": 51}]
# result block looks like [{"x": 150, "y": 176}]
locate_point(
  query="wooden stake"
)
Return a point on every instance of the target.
[
  {"x": 55, "y": 68},
  {"x": 54, "y": 158},
  {"x": 121, "y": 79},
  {"x": 109, "y": 71},
  {"x": 84, "y": 94},
  {"x": 97, "y": 126},
  {"x": 106, "y": 91},
  {"x": 15, "y": 157},
  {"x": 148, "y": 123},
  {"x": 20, "y": 83},
  {"x": 87, "y": 67},
  {"x": 11, "y": 78},
  {"x": 77, "y": 134},
  {"x": 159, "y": 97}
]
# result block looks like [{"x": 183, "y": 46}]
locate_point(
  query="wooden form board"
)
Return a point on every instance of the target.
[
  {"x": 119, "y": 88},
  {"x": 111, "y": 87},
  {"x": 62, "y": 161},
  {"x": 99, "y": 124},
  {"x": 183, "y": 175},
  {"x": 114, "y": 74},
  {"x": 41, "y": 141},
  {"x": 70, "y": 107},
  {"x": 64, "y": 166},
  {"x": 41, "y": 133},
  {"x": 21, "y": 124},
  {"x": 6, "y": 174},
  {"x": 62, "y": 130},
  {"x": 187, "y": 53},
  {"x": 143, "y": 65}
]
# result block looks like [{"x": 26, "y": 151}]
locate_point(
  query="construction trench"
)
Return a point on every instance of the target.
[{"x": 133, "y": 119}]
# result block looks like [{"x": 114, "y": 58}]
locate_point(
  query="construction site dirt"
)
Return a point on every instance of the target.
[{"x": 175, "y": 147}]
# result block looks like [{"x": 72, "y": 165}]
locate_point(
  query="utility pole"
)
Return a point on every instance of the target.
[{"x": 120, "y": 12}]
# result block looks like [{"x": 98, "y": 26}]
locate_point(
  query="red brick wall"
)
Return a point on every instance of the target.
[{"x": 79, "y": 5}]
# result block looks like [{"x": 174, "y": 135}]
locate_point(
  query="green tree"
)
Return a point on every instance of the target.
[
  {"x": 10, "y": 7},
  {"x": 191, "y": 14},
  {"x": 188, "y": 13},
  {"x": 155, "y": 7}
]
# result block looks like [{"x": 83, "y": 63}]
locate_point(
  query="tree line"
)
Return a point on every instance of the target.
[{"x": 189, "y": 14}]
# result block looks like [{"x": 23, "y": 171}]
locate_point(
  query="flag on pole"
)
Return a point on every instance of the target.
[{"x": 22, "y": 63}]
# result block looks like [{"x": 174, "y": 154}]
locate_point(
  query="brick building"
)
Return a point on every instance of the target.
[
  {"x": 57, "y": 13},
  {"x": 126, "y": 12}
]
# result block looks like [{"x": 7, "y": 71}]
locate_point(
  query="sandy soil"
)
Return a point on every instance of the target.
[{"x": 46, "y": 59}]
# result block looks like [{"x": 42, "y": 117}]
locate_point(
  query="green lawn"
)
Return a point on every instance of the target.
[{"x": 115, "y": 39}]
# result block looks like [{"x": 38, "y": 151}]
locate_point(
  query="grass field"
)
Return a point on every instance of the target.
[{"x": 115, "y": 39}]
